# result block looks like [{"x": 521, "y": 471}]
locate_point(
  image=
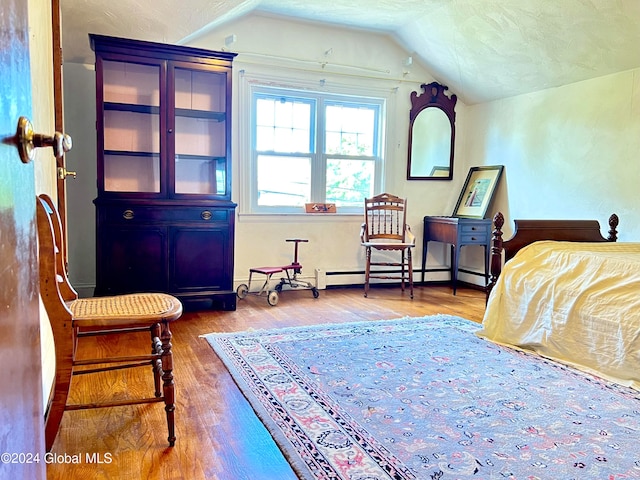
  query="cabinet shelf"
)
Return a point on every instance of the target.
[
  {"x": 131, "y": 107},
  {"x": 129, "y": 153},
  {"x": 199, "y": 158},
  {"x": 217, "y": 116},
  {"x": 152, "y": 109},
  {"x": 179, "y": 156}
]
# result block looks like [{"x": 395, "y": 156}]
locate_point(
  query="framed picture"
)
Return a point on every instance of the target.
[{"x": 478, "y": 190}]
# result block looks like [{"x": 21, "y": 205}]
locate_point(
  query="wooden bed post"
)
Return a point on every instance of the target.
[
  {"x": 613, "y": 225},
  {"x": 496, "y": 252}
]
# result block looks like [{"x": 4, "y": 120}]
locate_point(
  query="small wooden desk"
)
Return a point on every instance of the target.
[{"x": 458, "y": 232}]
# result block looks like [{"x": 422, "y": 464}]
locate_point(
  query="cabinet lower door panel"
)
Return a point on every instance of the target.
[
  {"x": 133, "y": 260},
  {"x": 200, "y": 259}
]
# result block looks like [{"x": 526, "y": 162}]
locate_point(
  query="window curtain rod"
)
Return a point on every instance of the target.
[{"x": 381, "y": 73}]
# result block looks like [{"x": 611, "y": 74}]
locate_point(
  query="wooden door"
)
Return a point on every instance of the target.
[
  {"x": 56, "y": 23},
  {"x": 21, "y": 412}
]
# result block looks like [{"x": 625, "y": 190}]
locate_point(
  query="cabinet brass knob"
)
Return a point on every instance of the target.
[
  {"x": 128, "y": 215},
  {"x": 206, "y": 215}
]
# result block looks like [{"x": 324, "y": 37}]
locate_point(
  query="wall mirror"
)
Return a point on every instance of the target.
[{"x": 432, "y": 134}]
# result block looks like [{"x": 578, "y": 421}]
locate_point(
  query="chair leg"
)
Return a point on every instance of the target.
[
  {"x": 156, "y": 349},
  {"x": 64, "y": 346},
  {"x": 410, "y": 267},
  {"x": 402, "y": 270},
  {"x": 367, "y": 271},
  {"x": 57, "y": 407},
  {"x": 168, "y": 386}
]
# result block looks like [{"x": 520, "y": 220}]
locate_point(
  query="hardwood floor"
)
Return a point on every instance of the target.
[{"x": 218, "y": 435}]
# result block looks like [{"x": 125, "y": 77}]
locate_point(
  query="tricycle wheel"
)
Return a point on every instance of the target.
[
  {"x": 242, "y": 291},
  {"x": 272, "y": 298}
]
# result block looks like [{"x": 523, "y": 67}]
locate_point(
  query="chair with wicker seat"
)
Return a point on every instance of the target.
[
  {"x": 385, "y": 229},
  {"x": 72, "y": 319}
]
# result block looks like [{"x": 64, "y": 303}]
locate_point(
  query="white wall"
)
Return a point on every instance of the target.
[
  {"x": 80, "y": 122},
  {"x": 569, "y": 152}
]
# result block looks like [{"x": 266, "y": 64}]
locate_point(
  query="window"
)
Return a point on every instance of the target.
[{"x": 314, "y": 147}]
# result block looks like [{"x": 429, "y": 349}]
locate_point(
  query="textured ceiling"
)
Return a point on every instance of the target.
[{"x": 482, "y": 49}]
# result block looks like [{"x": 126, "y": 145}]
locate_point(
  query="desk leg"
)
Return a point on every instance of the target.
[{"x": 455, "y": 255}]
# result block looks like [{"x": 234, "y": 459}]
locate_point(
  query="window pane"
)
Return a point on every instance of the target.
[
  {"x": 349, "y": 182},
  {"x": 284, "y": 181},
  {"x": 265, "y": 111},
  {"x": 265, "y": 137},
  {"x": 283, "y": 125},
  {"x": 350, "y": 130}
]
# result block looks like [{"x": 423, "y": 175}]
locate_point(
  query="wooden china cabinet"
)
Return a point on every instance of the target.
[{"x": 164, "y": 215}]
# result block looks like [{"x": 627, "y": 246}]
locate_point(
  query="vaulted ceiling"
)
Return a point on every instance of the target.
[{"x": 482, "y": 49}]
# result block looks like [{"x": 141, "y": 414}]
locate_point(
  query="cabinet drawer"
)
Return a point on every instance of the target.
[
  {"x": 468, "y": 239},
  {"x": 140, "y": 214}
]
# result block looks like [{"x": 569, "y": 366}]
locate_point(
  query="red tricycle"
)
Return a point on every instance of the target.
[{"x": 292, "y": 280}]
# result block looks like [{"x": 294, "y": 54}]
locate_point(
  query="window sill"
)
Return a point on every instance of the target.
[{"x": 299, "y": 217}]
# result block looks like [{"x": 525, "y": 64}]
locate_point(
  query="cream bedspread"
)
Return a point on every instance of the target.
[{"x": 578, "y": 303}]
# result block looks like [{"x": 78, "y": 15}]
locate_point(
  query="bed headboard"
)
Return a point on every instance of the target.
[{"x": 529, "y": 231}]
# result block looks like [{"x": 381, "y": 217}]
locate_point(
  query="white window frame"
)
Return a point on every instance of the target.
[{"x": 247, "y": 148}]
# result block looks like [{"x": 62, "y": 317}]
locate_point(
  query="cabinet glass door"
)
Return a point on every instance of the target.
[
  {"x": 131, "y": 99},
  {"x": 200, "y": 132}
]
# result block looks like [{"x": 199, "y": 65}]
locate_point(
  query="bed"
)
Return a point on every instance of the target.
[{"x": 567, "y": 293}]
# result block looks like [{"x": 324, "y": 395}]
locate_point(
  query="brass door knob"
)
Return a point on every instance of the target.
[
  {"x": 64, "y": 173},
  {"x": 26, "y": 141}
]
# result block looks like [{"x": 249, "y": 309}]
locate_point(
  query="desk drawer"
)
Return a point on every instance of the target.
[
  {"x": 475, "y": 229},
  {"x": 469, "y": 239}
]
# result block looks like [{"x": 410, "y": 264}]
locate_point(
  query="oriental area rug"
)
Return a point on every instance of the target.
[{"x": 425, "y": 398}]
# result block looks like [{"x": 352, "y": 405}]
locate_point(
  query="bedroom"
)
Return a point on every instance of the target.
[{"x": 569, "y": 152}]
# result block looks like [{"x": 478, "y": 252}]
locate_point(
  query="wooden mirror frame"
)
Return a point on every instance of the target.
[{"x": 432, "y": 96}]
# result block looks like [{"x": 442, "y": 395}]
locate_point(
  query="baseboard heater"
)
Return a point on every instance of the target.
[
  {"x": 339, "y": 273},
  {"x": 415, "y": 271}
]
